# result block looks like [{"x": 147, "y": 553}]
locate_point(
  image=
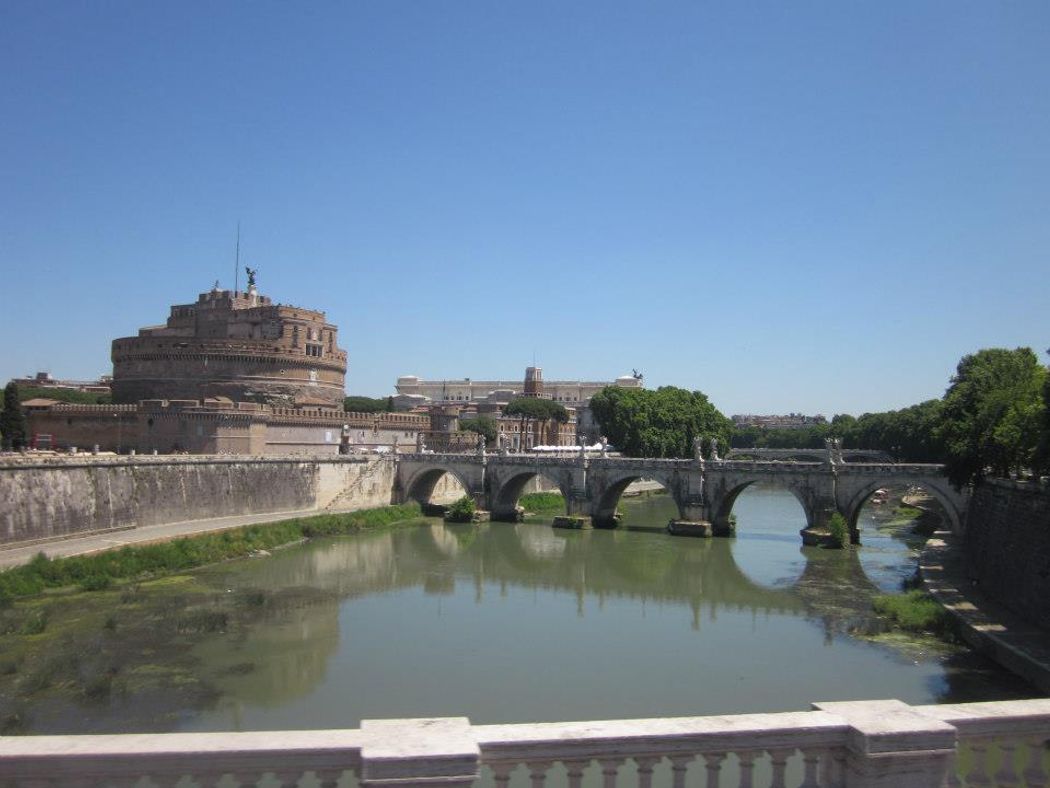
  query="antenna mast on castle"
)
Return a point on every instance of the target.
[{"x": 237, "y": 259}]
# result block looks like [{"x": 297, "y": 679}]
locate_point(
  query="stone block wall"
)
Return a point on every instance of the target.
[
  {"x": 68, "y": 496},
  {"x": 1008, "y": 546}
]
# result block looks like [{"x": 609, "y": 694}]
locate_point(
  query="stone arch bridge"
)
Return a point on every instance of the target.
[{"x": 702, "y": 490}]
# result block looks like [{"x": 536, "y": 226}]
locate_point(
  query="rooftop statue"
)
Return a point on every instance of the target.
[{"x": 251, "y": 275}]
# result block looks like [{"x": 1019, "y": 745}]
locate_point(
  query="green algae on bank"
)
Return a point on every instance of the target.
[{"x": 99, "y": 571}]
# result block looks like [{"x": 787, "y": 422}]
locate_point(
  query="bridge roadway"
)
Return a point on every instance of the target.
[{"x": 702, "y": 490}]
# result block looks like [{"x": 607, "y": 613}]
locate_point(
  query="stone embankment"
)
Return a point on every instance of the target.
[
  {"x": 995, "y": 578},
  {"x": 63, "y": 497}
]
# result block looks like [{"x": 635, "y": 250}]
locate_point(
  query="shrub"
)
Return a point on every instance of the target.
[
  {"x": 915, "y": 611},
  {"x": 838, "y": 530},
  {"x": 462, "y": 510}
]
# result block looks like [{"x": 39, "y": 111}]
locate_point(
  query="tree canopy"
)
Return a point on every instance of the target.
[
  {"x": 13, "y": 427},
  {"x": 483, "y": 425},
  {"x": 660, "y": 423},
  {"x": 358, "y": 404},
  {"x": 537, "y": 409},
  {"x": 993, "y": 414}
]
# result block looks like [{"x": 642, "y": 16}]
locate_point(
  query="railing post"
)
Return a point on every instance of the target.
[
  {"x": 421, "y": 752},
  {"x": 891, "y": 745}
]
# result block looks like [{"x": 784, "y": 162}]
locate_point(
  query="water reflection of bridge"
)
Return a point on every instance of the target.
[
  {"x": 594, "y": 566},
  {"x": 638, "y": 564}
]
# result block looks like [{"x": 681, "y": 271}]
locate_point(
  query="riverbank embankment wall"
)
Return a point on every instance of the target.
[
  {"x": 1007, "y": 541},
  {"x": 65, "y": 497}
]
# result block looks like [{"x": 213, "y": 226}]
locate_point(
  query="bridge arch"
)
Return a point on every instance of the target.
[
  {"x": 420, "y": 486},
  {"x": 607, "y": 497},
  {"x": 506, "y": 492},
  {"x": 940, "y": 489},
  {"x": 723, "y": 507}
]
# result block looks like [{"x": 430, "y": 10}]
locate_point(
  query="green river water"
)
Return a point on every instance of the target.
[{"x": 497, "y": 622}]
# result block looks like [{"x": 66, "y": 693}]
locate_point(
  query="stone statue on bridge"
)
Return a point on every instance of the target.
[
  {"x": 481, "y": 445},
  {"x": 605, "y": 446},
  {"x": 698, "y": 449},
  {"x": 714, "y": 450}
]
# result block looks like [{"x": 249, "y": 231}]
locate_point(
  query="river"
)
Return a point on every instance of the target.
[{"x": 499, "y": 623}]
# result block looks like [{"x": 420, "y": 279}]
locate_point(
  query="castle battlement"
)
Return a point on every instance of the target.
[{"x": 238, "y": 345}]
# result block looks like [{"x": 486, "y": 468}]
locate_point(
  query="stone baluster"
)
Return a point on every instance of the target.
[
  {"x": 610, "y": 768},
  {"x": 779, "y": 759},
  {"x": 538, "y": 772},
  {"x": 645, "y": 770},
  {"x": 241, "y": 779},
  {"x": 214, "y": 779},
  {"x": 978, "y": 774},
  {"x": 811, "y": 765},
  {"x": 288, "y": 779},
  {"x": 746, "y": 760},
  {"x": 501, "y": 773},
  {"x": 713, "y": 765},
  {"x": 328, "y": 778},
  {"x": 1006, "y": 775},
  {"x": 679, "y": 766},
  {"x": 1034, "y": 771},
  {"x": 574, "y": 771}
]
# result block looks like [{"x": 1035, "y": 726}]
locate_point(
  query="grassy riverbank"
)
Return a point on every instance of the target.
[
  {"x": 915, "y": 611},
  {"x": 100, "y": 571},
  {"x": 542, "y": 502}
]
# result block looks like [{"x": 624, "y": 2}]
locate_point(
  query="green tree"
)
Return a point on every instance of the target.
[
  {"x": 533, "y": 409},
  {"x": 1042, "y": 459},
  {"x": 483, "y": 425},
  {"x": 660, "y": 423},
  {"x": 992, "y": 414},
  {"x": 358, "y": 404},
  {"x": 13, "y": 427},
  {"x": 911, "y": 434}
]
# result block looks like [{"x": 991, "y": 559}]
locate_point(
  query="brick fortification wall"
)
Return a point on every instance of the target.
[
  {"x": 65, "y": 497},
  {"x": 1008, "y": 546}
]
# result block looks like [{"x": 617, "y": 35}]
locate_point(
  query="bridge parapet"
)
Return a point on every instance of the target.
[
  {"x": 765, "y": 465},
  {"x": 898, "y": 468},
  {"x": 634, "y": 463}
]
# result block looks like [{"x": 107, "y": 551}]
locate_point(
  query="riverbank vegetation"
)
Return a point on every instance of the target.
[
  {"x": 99, "y": 571},
  {"x": 461, "y": 510},
  {"x": 915, "y": 611},
  {"x": 542, "y": 502}
]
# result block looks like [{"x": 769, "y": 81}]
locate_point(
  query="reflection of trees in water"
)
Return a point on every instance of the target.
[{"x": 591, "y": 565}]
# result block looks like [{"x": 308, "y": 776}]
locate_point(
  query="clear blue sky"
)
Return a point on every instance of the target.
[{"x": 812, "y": 207}]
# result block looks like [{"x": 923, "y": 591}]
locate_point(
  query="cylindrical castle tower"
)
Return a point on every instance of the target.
[{"x": 235, "y": 345}]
